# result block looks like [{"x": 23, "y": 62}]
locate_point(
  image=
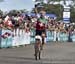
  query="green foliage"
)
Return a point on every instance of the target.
[
  {"x": 1, "y": 12},
  {"x": 17, "y": 12},
  {"x": 13, "y": 12},
  {"x": 57, "y": 9},
  {"x": 53, "y": 1},
  {"x": 72, "y": 15},
  {"x": 23, "y": 11},
  {"x": 50, "y": 8}
]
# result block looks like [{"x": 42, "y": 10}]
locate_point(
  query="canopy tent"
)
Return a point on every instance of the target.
[
  {"x": 48, "y": 15},
  {"x": 51, "y": 16}
]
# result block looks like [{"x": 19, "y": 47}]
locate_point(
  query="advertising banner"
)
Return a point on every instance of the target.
[
  {"x": 66, "y": 17},
  {"x": 6, "y": 38},
  {"x": 66, "y": 14}
]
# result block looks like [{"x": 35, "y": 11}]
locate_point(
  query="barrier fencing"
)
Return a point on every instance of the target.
[{"x": 8, "y": 40}]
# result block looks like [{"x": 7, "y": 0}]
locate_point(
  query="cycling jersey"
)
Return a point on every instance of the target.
[{"x": 40, "y": 24}]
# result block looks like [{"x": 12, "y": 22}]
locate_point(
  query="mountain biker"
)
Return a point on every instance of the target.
[{"x": 41, "y": 26}]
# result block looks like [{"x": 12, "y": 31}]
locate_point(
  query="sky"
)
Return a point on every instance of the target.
[{"x": 8, "y": 5}]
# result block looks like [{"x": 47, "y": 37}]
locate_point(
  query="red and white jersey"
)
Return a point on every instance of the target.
[
  {"x": 40, "y": 26},
  {"x": 20, "y": 19},
  {"x": 8, "y": 22},
  {"x": 6, "y": 18}
]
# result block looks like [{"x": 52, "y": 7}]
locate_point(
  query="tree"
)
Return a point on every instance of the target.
[
  {"x": 72, "y": 14},
  {"x": 13, "y": 12},
  {"x": 49, "y": 1},
  {"x": 1, "y": 12},
  {"x": 23, "y": 11},
  {"x": 57, "y": 9},
  {"x": 52, "y": 9}
]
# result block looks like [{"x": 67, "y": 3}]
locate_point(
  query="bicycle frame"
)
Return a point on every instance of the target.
[{"x": 37, "y": 48}]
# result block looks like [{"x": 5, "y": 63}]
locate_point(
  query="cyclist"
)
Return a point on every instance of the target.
[{"x": 41, "y": 26}]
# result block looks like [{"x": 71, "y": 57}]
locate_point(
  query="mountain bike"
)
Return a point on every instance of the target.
[{"x": 38, "y": 46}]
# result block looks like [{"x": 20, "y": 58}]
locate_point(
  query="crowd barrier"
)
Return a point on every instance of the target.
[
  {"x": 8, "y": 40},
  {"x": 73, "y": 37}
]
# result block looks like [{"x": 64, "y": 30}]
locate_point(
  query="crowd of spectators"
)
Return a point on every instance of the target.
[{"x": 25, "y": 22}]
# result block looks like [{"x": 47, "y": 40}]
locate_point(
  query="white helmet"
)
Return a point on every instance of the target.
[{"x": 38, "y": 37}]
